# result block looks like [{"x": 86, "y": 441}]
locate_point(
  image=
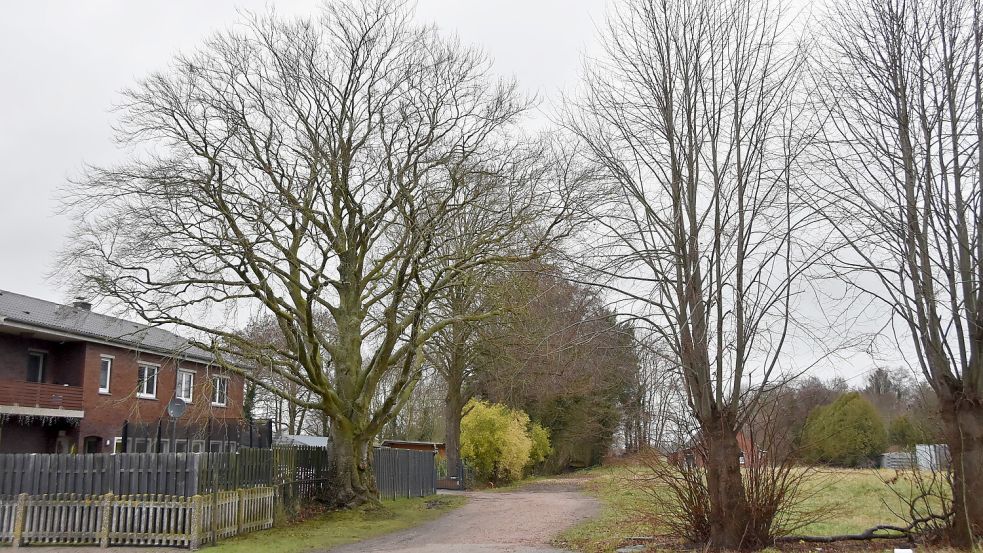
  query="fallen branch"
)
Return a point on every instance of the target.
[{"x": 868, "y": 534}]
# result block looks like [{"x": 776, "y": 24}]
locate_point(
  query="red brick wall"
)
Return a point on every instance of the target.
[
  {"x": 105, "y": 414},
  {"x": 63, "y": 359},
  {"x": 78, "y": 363}
]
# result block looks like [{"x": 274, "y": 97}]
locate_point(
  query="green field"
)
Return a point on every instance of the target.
[
  {"x": 341, "y": 527},
  {"x": 850, "y": 500}
]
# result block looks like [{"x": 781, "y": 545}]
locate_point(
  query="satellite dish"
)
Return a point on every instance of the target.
[{"x": 176, "y": 407}]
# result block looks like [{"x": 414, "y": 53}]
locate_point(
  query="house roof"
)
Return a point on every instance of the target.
[
  {"x": 390, "y": 443},
  {"x": 297, "y": 439},
  {"x": 20, "y": 310}
]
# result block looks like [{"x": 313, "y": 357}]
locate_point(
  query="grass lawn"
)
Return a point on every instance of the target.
[
  {"x": 342, "y": 527},
  {"x": 853, "y": 501}
]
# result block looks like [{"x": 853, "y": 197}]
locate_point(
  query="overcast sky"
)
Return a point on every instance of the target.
[{"x": 63, "y": 63}]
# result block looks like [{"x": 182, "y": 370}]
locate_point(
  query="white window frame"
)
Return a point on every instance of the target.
[
  {"x": 109, "y": 373},
  {"x": 191, "y": 388},
  {"x": 142, "y": 383},
  {"x": 117, "y": 445},
  {"x": 215, "y": 388}
]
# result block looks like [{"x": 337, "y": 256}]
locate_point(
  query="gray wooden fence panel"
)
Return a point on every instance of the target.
[
  {"x": 404, "y": 473},
  {"x": 299, "y": 473}
]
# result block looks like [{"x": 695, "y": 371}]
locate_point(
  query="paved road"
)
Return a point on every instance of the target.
[{"x": 521, "y": 521}]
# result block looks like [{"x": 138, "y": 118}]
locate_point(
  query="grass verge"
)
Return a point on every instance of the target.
[
  {"x": 342, "y": 527},
  {"x": 854, "y": 500},
  {"x": 623, "y": 513}
]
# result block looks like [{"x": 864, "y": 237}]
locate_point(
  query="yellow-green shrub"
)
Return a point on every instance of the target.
[
  {"x": 497, "y": 441},
  {"x": 541, "y": 448}
]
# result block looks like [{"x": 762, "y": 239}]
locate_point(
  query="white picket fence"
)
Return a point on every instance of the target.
[{"x": 163, "y": 520}]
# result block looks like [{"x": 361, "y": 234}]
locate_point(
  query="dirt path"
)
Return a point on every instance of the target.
[{"x": 521, "y": 521}]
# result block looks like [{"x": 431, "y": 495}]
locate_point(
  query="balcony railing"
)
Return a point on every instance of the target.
[{"x": 34, "y": 394}]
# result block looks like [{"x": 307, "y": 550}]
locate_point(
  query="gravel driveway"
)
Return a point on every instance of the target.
[{"x": 521, "y": 521}]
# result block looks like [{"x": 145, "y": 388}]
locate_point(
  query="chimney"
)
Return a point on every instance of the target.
[{"x": 80, "y": 303}]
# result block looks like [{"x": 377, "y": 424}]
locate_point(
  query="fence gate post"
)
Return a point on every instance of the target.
[
  {"x": 20, "y": 519},
  {"x": 106, "y": 520},
  {"x": 196, "y": 516}
]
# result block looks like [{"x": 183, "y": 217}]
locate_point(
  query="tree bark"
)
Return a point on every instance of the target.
[
  {"x": 354, "y": 482},
  {"x": 453, "y": 412},
  {"x": 963, "y": 419},
  {"x": 730, "y": 514}
]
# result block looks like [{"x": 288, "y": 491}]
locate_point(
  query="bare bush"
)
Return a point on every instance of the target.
[
  {"x": 776, "y": 486},
  {"x": 926, "y": 497}
]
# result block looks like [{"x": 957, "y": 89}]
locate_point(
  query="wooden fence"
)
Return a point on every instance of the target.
[
  {"x": 101, "y": 473},
  {"x": 297, "y": 472},
  {"x": 404, "y": 472},
  {"x": 177, "y": 499},
  {"x": 184, "y": 474},
  {"x": 158, "y": 520}
]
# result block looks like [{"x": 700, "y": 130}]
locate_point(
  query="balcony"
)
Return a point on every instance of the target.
[{"x": 18, "y": 397}]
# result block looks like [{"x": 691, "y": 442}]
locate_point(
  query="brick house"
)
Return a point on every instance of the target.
[
  {"x": 72, "y": 380},
  {"x": 694, "y": 453}
]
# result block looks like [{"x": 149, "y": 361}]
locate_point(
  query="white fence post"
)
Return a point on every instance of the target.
[
  {"x": 20, "y": 519},
  {"x": 106, "y": 520},
  {"x": 196, "y": 517},
  {"x": 240, "y": 510}
]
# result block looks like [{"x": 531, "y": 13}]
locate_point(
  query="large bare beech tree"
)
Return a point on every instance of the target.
[
  {"x": 903, "y": 90},
  {"x": 690, "y": 116},
  {"x": 302, "y": 170}
]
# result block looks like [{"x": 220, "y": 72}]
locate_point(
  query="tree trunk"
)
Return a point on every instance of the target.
[
  {"x": 730, "y": 515},
  {"x": 963, "y": 420},
  {"x": 453, "y": 411},
  {"x": 354, "y": 483}
]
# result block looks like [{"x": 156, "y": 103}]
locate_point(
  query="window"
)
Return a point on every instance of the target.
[
  {"x": 180, "y": 446},
  {"x": 105, "y": 369},
  {"x": 147, "y": 381},
  {"x": 185, "y": 384},
  {"x": 117, "y": 445},
  {"x": 197, "y": 446},
  {"x": 220, "y": 390},
  {"x": 92, "y": 444},
  {"x": 35, "y": 366}
]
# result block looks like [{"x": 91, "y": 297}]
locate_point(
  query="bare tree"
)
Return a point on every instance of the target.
[
  {"x": 288, "y": 416},
  {"x": 690, "y": 116},
  {"x": 422, "y": 418},
  {"x": 901, "y": 87},
  {"x": 304, "y": 169},
  {"x": 653, "y": 398},
  {"x": 452, "y": 353}
]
